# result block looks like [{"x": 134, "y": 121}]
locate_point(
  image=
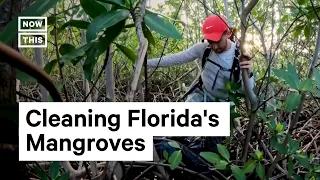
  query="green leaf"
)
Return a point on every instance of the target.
[
  {"x": 258, "y": 155},
  {"x": 281, "y": 74},
  {"x": 296, "y": 33},
  {"x": 281, "y": 148},
  {"x": 297, "y": 30},
  {"x": 100, "y": 46},
  {"x": 228, "y": 86},
  {"x": 234, "y": 115},
  {"x": 292, "y": 101},
  {"x": 238, "y": 173},
  {"x": 307, "y": 31},
  {"x": 311, "y": 156},
  {"x": 148, "y": 34},
  {"x": 161, "y": 161},
  {"x": 235, "y": 86},
  {"x": 303, "y": 160},
  {"x": 38, "y": 8},
  {"x": 174, "y": 144},
  {"x": 306, "y": 85},
  {"x": 120, "y": 3},
  {"x": 221, "y": 165},
  {"x": 128, "y": 52},
  {"x": 156, "y": 23},
  {"x": 279, "y": 127},
  {"x": 302, "y": 2},
  {"x": 294, "y": 12},
  {"x": 165, "y": 154},
  {"x": 278, "y": 146},
  {"x": 1, "y": 1},
  {"x": 223, "y": 151},
  {"x": 280, "y": 30},
  {"x": 105, "y": 20},
  {"x": 293, "y": 80},
  {"x": 175, "y": 159},
  {"x": 249, "y": 166},
  {"x": 66, "y": 49},
  {"x": 234, "y": 99},
  {"x": 50, "y": 66},
  {"x": 317, "y": 169},
  {"x": 54, "y": 169},
  {"x": 64, "y": 176},
  {"x": 284, "y": 18},
  {"x": 260, "y": 170},
  {"x": 24, "y": 77},
  {"x": 290, "y": 167},
  {"x": 272, "y": 125},
  {"x": 317, "y": 77},
  {"x": 92, "y": 8},
  {"x": 262, "y": 115},
  {"x": 40, "y": 173},
  {"x": 90, "y": 61},
  {"x": 76, "y": 54},
  {"x": 211, "y": 157},
  {"x": 109, "y": 35},
  {"x": 290, "y": 76},
  {"x": 293, "y": 145},
  {"x": 74, "y": 23}
]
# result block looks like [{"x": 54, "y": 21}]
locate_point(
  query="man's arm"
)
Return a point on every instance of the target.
[
  {"x": 192, "y": 53},
  {"x": 246, "y": 63},
  {"x": 251, "y": 84}
]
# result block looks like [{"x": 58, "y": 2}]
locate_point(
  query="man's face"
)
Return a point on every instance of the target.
[{"x": 220, "y": 45}]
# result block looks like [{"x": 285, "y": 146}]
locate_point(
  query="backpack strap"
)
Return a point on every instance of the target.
[
  {"x": 200, "y": 82},
  {"x": 235, "y": 70},
  {"x": 203, "y": 61},
  {"x": 205, "y": 55}
]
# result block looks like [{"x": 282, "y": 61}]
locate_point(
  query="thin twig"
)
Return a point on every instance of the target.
[
  {"x": 144, "y": 172},
  {"x": 26, "y": 96},
  {"x": 179, "y": 168}
]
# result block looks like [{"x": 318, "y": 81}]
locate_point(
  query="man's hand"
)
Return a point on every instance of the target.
[{"x": 245, "y": 62}]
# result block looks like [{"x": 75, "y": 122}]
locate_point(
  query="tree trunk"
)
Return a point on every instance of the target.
[
  {"x": 9, "y": 155},
  {"x": 40, "y": 63},
  {"x": 110, "y": 94},
  {"x": 226, "y": 8}
]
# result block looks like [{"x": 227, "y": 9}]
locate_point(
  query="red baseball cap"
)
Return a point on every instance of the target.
[{"x": 213, "y": 27}]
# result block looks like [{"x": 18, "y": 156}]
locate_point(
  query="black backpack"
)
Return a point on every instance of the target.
[{"x": 235, "y": 69}]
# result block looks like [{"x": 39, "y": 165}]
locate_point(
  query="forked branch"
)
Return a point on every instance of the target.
[{"x": 249, "y": 92}]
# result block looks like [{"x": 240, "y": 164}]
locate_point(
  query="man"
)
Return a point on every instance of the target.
[
  {"x": 216, "y": 35},
  {"x": 216, "y": 72}
]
